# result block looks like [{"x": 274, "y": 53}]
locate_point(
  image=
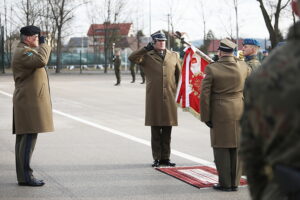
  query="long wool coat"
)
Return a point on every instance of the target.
[
  {"x": 32, "y": 108},
  {"x": 162, "y": 75},
  {"x": 221, "y": 100}
]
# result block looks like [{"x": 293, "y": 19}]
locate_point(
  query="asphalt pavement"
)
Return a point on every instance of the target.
[{"x": 100, "y": 148}]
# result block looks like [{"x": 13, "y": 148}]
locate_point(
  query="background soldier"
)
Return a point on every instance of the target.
[
  {"x": 117, "y": 65},
  {"x": 32, "y": 109},
  {"x": 271, "y": 122},
  {"x": 265, "y": 54},
  {"x": 221, "y": 108},
  {"x": 250, "y": 50},
  {"x": 162, "y": 70}
]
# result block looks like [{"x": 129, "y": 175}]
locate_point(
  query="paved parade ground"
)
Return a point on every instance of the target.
[{"x": 100, "y": 148}]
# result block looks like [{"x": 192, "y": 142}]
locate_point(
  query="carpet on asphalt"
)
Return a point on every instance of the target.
[{"x": 198, "y": 176}]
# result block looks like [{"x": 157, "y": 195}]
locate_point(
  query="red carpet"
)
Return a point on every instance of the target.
[{"x": 198, "y": 176}]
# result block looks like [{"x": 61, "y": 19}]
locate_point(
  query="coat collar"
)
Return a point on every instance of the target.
[
  {"x": 226, "y": 59},
  {"x": 156, "y": 55}
]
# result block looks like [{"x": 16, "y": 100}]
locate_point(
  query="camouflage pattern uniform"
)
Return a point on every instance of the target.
[
  {"x": 271, "y": 119},
  {"x": 253, "y": 62}
]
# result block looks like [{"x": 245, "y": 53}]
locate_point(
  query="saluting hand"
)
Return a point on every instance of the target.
[{"x": 149, "y": 46}]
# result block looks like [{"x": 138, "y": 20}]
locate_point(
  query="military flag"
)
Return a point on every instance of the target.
[{"x": 192, "y": 74}]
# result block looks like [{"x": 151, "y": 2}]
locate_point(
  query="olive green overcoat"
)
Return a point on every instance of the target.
[
  {"x": 162, "y": 75},
  {"x": 221, "y": 100},
  {"x": 32, "y": 108}
]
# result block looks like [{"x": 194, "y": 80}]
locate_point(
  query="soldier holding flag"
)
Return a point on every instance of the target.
[{"x": 221, "y": 105}]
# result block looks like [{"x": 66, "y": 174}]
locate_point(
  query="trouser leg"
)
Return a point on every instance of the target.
[
  {"x": 155, "y": 142},
  {"x": 223, "y": 162},
  {"x": 236, "y": 168},
  {"x": 25, "y": 144},
  {"x": 166, "y": 142},
  {"x": 117, "y": 73},
  {"x": 132, "y": 74}
]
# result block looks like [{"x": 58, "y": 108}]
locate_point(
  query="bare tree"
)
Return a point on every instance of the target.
[
  {"x": 275, "y": 9},
  {"x": 203, "y": 18},
  {"x": 113, "y": 10},
  {"x": 62, "y": 12}
]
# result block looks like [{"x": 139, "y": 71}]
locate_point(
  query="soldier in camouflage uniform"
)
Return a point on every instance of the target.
[
  {"x": 250, "y": 49},
  {"x": 271, "y": 119}
]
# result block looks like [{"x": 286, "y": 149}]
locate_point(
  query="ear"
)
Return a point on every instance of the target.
[{"x": 295, "y": 7}]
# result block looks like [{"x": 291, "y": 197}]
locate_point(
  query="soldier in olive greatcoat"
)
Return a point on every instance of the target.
[
  {"x": 221, "y": 108},
  {"x": 32, "y": 108},
  {"x": 162, "y": 70}
]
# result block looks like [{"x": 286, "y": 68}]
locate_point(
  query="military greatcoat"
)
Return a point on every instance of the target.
[
  {"x": 162, "y": 75},
  {"x": 32, "y": 108},
  {"x": 222, "y": 100}
]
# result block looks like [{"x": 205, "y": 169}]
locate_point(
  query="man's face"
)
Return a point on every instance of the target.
[
  {"x": 248, "y": 50},
  {"x": 33, "y": 41},
  {"x": 160, "y": 45}
]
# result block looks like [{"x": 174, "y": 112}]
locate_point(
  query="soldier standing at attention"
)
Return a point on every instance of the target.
[
  {"x": 162, "y": 70},
  {"x": 32, "y": 108},
  {"x": 250, "y": 50},
  {"x": 271, "y": 122},
  {"x": 221, "y": 104},
  {"x": 117, "y": 65}
]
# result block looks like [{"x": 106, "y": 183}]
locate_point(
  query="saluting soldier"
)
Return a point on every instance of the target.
[
  {"x": 221, "y": 108},
  {"x": 250, "y": 50},
  {"x": 270, "y": 145},
  {"x": 32, "y": 108},
  {"x": 117, "y": 65},
  {"x": 162, "y": 70}
]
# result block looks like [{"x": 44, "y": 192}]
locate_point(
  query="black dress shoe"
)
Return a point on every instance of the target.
[
  {"x": 117, "y": 84},
  {"x": 234, "y": 188},
  {"x": 155, "y": 163},
  {"x": 167, "y": 163},
  {"x": 221, "y": 188},
  {"x": 143, "y": 82},
  {"x": 132, "y": 82},
  {"x": 33, "y": 182}
]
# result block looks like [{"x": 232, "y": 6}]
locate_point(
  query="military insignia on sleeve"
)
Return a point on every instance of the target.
[{"x": 29, "y": 53}]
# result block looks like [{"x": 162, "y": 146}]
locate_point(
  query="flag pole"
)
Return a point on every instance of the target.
[{"x": 179, "y": 35}]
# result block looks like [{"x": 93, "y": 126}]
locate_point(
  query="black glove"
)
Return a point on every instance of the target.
[
  {"x": 209, "y": 124},
  {"x": 149, "y": 46},
  {"x": 41, "y": 39}
]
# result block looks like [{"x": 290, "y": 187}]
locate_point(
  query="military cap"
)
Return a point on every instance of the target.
[
  {"x": 30, "y": 30},
  {"x": 158, "y": 35},
  {"x": 227, "y": 45},
  {"x": 251, "y": 41}
]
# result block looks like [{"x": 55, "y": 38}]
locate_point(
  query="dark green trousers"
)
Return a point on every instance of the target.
[
  {"x": 161, "y": 142},
  {"x": 25, "y": 144},
  {"x": 228, "y": 166},
  {"x": 132, "y": 73},
  {"x": 118, "y": 76}
]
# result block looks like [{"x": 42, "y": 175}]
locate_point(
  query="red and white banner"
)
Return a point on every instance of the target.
[{"x": 189, "y": 87}]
